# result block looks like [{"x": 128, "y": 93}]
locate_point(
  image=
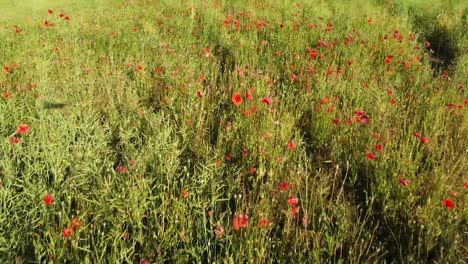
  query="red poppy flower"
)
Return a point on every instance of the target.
[
  {"x": 266, "y": 100},
  {"x": 449, "y": 203},
  {"x": 295, "y": 211},
  {"x": 121, "y": 169},
  {"x": 219, "y": 231},
  {"x": 7, "y": 95},
  {"x": 370, "y": 156},
  {"x": 240, "y": 221},
  {"x": 263, "y": 222},
  {"x": 312, "y": 54},
  {"x": 292, "y": 200},
  {"x": 416, "y": 134},
  {"x": 50, "y": 11},
  {"x": 200, "y": 93},
  {"x": 284, "y": 186},
  {"x": 389, "y": 58},
  {"x": 425, "y": 140},
  {"x": 365, "y": 120},
  {"x": 378, "y": 147},
  {"x": 23, "y": 129},
  {"x": 248, "y": 95},
  {"x": 237, "y": 99},
  {"x": 67, "y": 18},
  {"x": 6, "y": 68},
  {"x": 445, "y": 74},
  {"x": 291, "y": 145},
  {"x": 67, "y": 232},
  {"x": 403, "y": 181},
  {"x": 48, "y": 199},
  {"x": 336, "y": 121},
  {"x": 76, "y": 223},
  {"x": 14, "y": 140}
]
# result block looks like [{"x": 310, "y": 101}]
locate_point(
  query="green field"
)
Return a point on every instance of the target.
[{"x": 218, "y": 131}]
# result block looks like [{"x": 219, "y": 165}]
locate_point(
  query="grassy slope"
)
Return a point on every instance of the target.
[{"x": 91, "y": 110}]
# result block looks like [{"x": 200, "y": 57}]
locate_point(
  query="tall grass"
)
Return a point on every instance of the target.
[{"x": 348, "y": 146}]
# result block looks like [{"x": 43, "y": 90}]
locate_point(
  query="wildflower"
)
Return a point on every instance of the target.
[
  {"x": 199, "y": 93},
  {"x": 424, "y": 140},
  {"x": 365, "y": 120},
  {"x": 295, "y": 211},
  {"x": 292, "y": 200},
  {"x": 403, "y": 181},
  {"x": 291, "y": 145},
  {"x": 7, "y": 95},
  {"x": 389, "y": 58},
  {"x": 184, "y": 193},
  {"x": 76, "y": 223},
  {"x": 67, "y": 232},
  {"x": 312, "y": 54},
  {"x": 50, "y": 11},
  {"x": 23, "y": 129},
  {"x": 48, "y": 199},
  {"x": 370, "y": 156},
  {"x": 416, "y": 134},
  {"x": 245, "y": 152},
  {"x": 284, "y": 186},
  {"x": 219, "y": 231},
  {"x": 14, "y": 140},
  {"x": 378, "y": 147},
  {"x": 449, "y": 203},
  {"x": 445, "y": 74},
  {"x": 263, "y": 222},
  {"x": 121, "y": 169},
  {"x": 237, "y": 99},
  {"x": 241, "y": 221},
  {"x": 144, "y": 261},
  {"x": 266, "y": 100},
  {"x": 336, "y": 121},
  {"x": 248, "y": 95}
]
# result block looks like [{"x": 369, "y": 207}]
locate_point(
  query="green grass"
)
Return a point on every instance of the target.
[{"x": 134, "y": 132}]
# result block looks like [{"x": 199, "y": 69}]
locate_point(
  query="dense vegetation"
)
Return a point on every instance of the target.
[{"x": 233, "y": 131}]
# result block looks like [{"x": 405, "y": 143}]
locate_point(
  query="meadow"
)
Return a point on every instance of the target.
[{"x": 217, "y": 131}]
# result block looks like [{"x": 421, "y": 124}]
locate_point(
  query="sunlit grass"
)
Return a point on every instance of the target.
[{"x": 227, "y": 131}]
